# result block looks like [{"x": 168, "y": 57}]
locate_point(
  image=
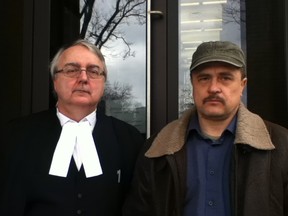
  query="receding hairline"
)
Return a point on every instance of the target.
[{"x": 81, "y": 42}]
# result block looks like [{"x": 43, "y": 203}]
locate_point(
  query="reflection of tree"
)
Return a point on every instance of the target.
[
  {"x": 118, "y": 101},
  {"x": 233, "y": 11},
  {"x": 121, "y": 94},
  {"x": 186, "y": 100},
  {"x": 86, "y": 13},
  {"x": 105, "y": 25}
]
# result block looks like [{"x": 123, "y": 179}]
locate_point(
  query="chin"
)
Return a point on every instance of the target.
[
  {"x": 82, "y": 102},
  {"x": 214, "y": 109},
  {"x": 217, "y": 117},
  {"x": 214, "y": 114}
]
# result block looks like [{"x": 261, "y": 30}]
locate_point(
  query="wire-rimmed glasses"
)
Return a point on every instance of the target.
[{"x": 74, "y": 71}]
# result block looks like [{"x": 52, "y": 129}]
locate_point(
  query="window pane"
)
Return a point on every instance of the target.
[
  {"x": 206, "y": 20},
  {"x": 118, "y": 28}
]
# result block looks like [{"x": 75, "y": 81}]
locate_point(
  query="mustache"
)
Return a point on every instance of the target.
[{"x": 214, "y": 98}]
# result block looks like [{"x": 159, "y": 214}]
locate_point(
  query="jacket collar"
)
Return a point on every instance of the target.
[{"x": 251, "y": 130}]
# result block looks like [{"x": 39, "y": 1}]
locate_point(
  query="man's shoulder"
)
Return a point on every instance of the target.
[
  {"x": 128, "y": 135},
  {"x": 35, "y": 116},
  {"x": 34, "y": 119},
  {"x": 118, "y": 123},
  {"x": 276, "y": 129}
]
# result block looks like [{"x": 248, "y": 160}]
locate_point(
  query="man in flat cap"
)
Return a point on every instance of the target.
[{"x": 218, "y": 159}]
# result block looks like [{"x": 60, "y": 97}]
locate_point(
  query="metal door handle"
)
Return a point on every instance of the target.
[{"x": 158, "y": 13}]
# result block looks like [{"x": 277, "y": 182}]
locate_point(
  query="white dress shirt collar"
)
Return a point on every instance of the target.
[
  {"x": 91, "y": 118},
  {"x": 76, "y": 139}
]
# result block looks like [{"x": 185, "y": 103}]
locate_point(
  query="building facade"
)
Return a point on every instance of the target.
[{"x": 34, "y": 30}]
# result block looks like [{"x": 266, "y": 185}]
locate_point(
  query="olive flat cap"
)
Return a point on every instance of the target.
[{"x": 218, "y": 51}]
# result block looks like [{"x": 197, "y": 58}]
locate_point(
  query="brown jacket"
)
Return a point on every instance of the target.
[{"x": 259, "y": 177}]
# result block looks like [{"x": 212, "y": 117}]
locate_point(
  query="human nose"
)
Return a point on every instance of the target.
[
  {"x": 83, "y": 76},
  {"x": 214, "y": 86}
]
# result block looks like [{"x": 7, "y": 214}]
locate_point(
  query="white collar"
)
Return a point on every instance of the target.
[
  {"x": 76, "y": 139},
  {"x": 91, "y": 118}
]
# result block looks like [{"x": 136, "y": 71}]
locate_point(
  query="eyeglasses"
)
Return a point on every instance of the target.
[{"x": 72, "y": 71}]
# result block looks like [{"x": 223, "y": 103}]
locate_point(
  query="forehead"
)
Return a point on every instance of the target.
[{"x": 79, "y": 54}]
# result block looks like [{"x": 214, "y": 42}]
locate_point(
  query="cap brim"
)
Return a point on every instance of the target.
[{"x": 203, "y": 61}]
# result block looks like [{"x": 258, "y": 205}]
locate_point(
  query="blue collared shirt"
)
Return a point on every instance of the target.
[{"x": 208, "y": 172}]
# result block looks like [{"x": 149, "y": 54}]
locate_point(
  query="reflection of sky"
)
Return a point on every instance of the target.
[
  {"x": 131, "y": 70},
  {"x": 230, "y": 31}
]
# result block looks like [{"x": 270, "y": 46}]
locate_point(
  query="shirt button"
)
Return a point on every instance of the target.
[
  {"x": 79, "y": 212},
  {"x": 211, "y": 203},
  {"x": 211, "y": 172},
  {"x": 79, "y": 195}
]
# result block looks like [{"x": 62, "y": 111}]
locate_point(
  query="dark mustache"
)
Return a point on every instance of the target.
[{"x": 212, "y": 98}]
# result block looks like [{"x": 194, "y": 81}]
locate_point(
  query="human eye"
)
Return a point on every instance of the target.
[
  {"x": 70, "y": 69},
  {"x": 203, "y": 78},
  {"x": 227, "y": 78},
  {"x": 93, "y": 70}
]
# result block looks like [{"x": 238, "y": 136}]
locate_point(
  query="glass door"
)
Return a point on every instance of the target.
[
  {"x": 206, "y": 20},
  {"x": 118, "y": 28}
]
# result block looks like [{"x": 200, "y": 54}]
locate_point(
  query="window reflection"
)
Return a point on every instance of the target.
[
  {"x": 206, "y": 20},
  {"x": 118, "y": 28}
]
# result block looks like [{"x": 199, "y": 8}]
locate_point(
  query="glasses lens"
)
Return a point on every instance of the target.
[
  {"x": 71, "y": 71},
  {"x": 94, "y": 72}
]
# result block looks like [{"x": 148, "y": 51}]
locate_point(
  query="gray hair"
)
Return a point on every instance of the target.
[{"x": 81, "y": 42}]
